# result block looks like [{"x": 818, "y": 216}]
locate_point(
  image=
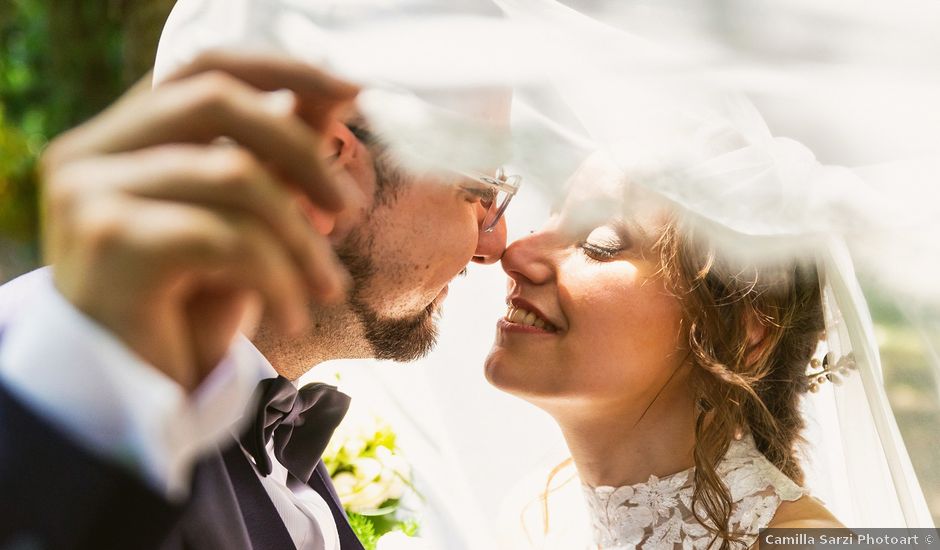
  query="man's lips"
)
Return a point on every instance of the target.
[
  {"x": 442, "y": 295},
  {"x": 438, "y": 300}
]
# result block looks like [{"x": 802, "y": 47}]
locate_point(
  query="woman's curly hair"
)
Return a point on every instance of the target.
[{"x": 752, "y": 330}]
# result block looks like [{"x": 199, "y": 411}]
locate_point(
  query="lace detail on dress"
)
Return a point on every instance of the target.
[{"x": 658, "y": 514}]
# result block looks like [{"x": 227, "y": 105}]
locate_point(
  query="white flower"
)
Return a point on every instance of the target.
[
  {"x": 373, "y": 481},
  {"x": 631, "y": 525},
  {"x": 660, "y": 496},
  {"x": 666, "y": 534},
  {"x": 745, "y": 480},
  {"x": 615, "y": 498},
  {"x": 354, "y": 446},
  {"x": 396, "y": 540},
  {"x": 345, "y": 484},
  {"x": 754, "y": 512},
  {"x": 363, "y": 498},
  {"x": 367, "y": 469},
  {"x": 621, "y": 525}
]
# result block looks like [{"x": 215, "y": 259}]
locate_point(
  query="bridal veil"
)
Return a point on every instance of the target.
[{"x": 674, "y": 119}]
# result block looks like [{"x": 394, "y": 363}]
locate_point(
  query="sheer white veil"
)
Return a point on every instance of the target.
[
  {"x": 672, "y": 120},
  {"x": 857, "y": 460}
]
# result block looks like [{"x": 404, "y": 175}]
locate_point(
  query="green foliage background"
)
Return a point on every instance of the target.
[{"x": 61, "y": 61}]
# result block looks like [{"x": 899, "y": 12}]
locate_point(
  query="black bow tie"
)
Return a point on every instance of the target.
[{"x": 301, "y": 423}]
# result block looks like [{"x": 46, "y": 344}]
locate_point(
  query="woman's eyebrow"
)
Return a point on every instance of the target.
[{"x": 630, "y": 228}]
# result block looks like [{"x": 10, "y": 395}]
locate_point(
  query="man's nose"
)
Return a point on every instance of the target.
[{"x": 491, "y": 245}]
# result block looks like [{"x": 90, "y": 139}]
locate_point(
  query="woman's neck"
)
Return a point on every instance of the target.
[{"x": 619, "y": 444}]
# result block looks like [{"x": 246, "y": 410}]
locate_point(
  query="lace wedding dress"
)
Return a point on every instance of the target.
[{"x": 658, "y": 514}]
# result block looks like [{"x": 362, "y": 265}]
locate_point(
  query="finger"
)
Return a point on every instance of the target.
[
  {"x": 268, "y": 268},
  {"x": 209, "y": 106},
  {"x": 268, "y": 72},
  {"x": 228, "y": 311},
  {"x": 319, "y": 95},
  {"x": 171, "y": 257},
  {"x": 227, "y": 250},
  {"x": 224, "y": 179}
]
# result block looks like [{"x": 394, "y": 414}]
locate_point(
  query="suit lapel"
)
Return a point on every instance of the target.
[
  {"x": 320, "y": 482},
  {"x": 214, "y": 516},
  {"x": 265, "y": 527}
]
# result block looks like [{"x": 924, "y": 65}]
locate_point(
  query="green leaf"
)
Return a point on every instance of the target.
[
  {"x": 387, "y": 507},
  {"x": 409, "y": 527},
  {"x": 364, "y": 530}
]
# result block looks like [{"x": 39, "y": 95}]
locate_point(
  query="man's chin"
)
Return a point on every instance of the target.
[{"x": 403, "y": 340}]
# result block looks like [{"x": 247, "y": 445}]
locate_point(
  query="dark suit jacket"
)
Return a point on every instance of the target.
[{"x": 55, "y": 494}]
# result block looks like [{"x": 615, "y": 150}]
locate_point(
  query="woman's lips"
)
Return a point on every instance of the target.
[
  {"x": 523, "y": 312},
  {"x": 507, "y": 326},
  {"x": 524, "y": 318}
]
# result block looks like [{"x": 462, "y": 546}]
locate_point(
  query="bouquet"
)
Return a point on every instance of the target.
[{"x": 374, "y": 483}]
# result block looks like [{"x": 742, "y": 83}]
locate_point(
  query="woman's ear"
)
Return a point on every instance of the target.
[{"x": 758, "y": 340}]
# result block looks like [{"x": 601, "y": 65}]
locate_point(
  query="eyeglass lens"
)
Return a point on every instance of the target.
[{"x": 496, "y": 210}]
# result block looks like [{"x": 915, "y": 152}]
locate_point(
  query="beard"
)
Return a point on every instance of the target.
[{"x": 397, "y": 339}]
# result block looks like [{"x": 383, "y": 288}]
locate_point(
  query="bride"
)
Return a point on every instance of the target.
[{"x": 674, "y": 371}]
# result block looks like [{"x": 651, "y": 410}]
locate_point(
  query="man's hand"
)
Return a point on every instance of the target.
[{"x": 169, "y": 237}]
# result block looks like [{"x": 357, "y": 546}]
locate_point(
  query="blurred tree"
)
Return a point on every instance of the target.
[
  {"x": 143, "y": 20},
  {"x": 61, "y": 61}
]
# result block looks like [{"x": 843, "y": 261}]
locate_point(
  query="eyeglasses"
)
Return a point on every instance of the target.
[
  {"x": 498, "y": 189},
  {"x": 495, "y": 196}
]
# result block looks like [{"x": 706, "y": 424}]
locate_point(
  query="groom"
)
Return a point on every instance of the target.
[{"x": 119, "y": 382}]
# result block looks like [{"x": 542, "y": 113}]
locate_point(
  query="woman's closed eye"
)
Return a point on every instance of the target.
[{"x": 605, "y": 243}]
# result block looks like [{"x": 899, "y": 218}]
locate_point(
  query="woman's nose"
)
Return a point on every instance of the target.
[{"x": 528, "y": 259}]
